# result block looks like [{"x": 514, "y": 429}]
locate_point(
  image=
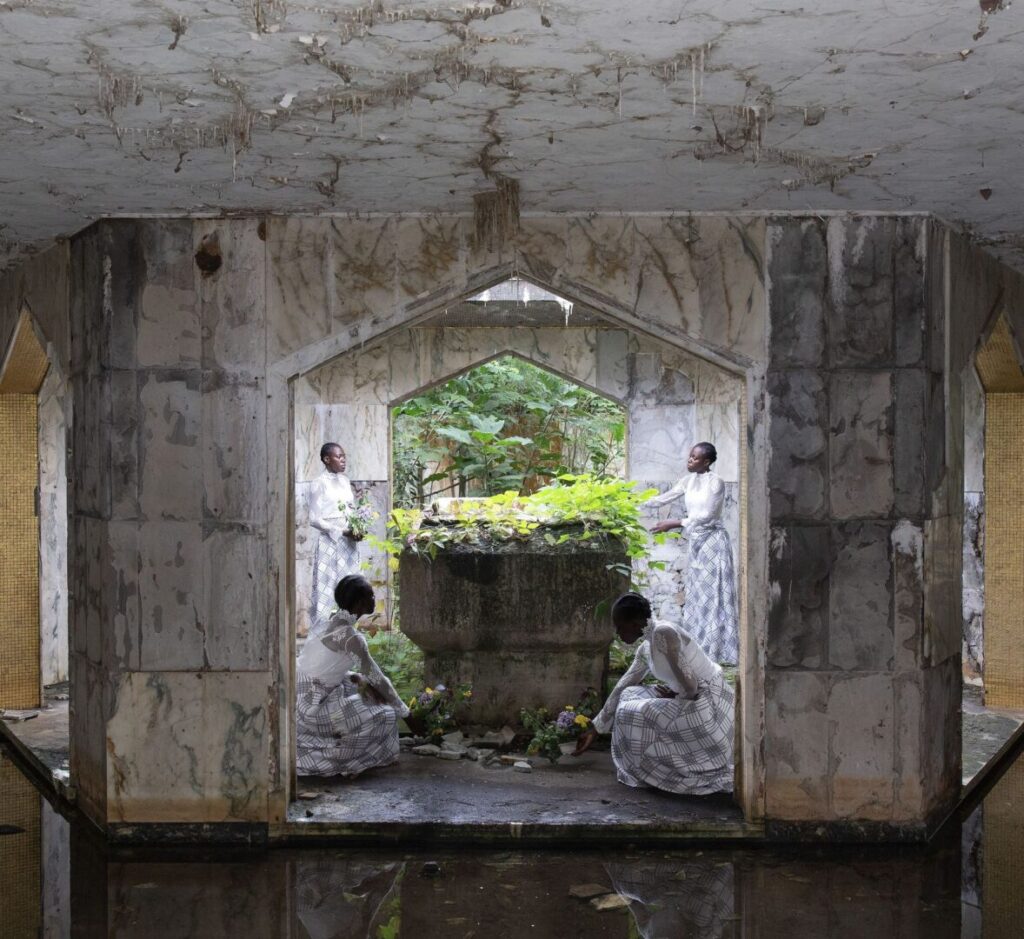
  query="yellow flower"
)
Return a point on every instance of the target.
[
  {"x": 429, "y": 690},
  {"x": 467, "y": 694},
  {"x": 582, "y": 720},
  {"x": 568, "y": 707}
]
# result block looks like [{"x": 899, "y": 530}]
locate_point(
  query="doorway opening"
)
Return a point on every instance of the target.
[
  {"x": 993, "y": 560},
  {"x": 33, "y": 546},
  {"x": 441, "y": 408}
]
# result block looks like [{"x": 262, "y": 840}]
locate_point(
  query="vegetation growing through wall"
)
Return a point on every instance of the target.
[{"x": 505, "y": 425}]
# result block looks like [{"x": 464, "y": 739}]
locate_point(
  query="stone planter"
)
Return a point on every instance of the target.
[{"x": 518, "y": 620}]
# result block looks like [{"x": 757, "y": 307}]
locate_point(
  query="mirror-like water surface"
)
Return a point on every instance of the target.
[{"x": 58, "y": 880}]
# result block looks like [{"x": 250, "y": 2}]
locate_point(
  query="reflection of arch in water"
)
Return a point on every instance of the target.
[
  {"x": 338, "y": 899},
  {"x": 668, "y": 900}
]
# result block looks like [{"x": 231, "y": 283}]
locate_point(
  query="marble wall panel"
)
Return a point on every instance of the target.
[
  {"x": 701, "y": 276},
  {"x": 797, "y": 768},
  {"x": 861, "y": 731},
  {"x": 908, "y": 593},
  {"x": 299, "y": 277},
  {"x": 40, "y": 284},
  {"x": 170, "y": 454},
  {"x": 90, "y": 444},
  {"x": 910, "y": 263},
  {"x": 612, "y": 367},
  {"x": 910, "y": 729},
  {"x": 659, "y": 439},
  {"x": 234, "y": 429},
  {"x": 942, "y": 688},
  {"x": 719, "y": 423},
  {"x": 798, "y": 272},
  {"x": 974, "y": 431},
  {"x": 860, "y": 255},
  {"x": 362, "y": 431},
  {"x": 542, "y": 249},
  {"x": 860, "y": 597},
  {"x": 121, "y": 613},
  {"x": 908, "y": 446},
  {"x": 237, "y": 628},
  {"x": 430, "y": 252},
  {"x": 363, "y": 269},
  {"x": 799, "y": 573},
  {"x": 54, "y": 397},
  {"x": 232, "y": 303},
  {"x": 363, "y": 377},
  {"x": 87, "y": 726},
  {"x": 798, "y": 476},
  {"x": 188, "y": 746},
  {"x": 167, "y": 314},
  {"x": 171, "y": 579},
  {"x": 124, "y": 434},
  {"x": 943, "y": 579},
  {"x": 861, "y": 445},
  {"x": 653, "y": 381},
  {"x": 974, "y": 582}
]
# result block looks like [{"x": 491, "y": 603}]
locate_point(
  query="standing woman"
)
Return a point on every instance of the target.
[
  {"x": 709, "y": 608},
  {"x": 336, "y": 553}
]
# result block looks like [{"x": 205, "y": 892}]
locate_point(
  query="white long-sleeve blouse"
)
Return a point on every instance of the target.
[{"x": 703, "y": 495}]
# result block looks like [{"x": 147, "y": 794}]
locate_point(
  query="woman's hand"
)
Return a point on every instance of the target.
[
  {"x": 351, "y": 535},
  {"x": 663, "y": 691},
  {"x": 585, "y": 741},
  {"x": 667, "y": 525},
  {"x": 366, "y": 689}
]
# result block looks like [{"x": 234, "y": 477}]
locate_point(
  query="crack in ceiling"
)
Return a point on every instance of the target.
[{"x": 127, "y": 107}]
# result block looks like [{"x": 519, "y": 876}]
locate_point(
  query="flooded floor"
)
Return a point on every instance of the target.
[{"x": 58, "y": 880}]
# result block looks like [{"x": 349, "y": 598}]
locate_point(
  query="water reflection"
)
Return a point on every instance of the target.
[{"x": 59, "y": 881}]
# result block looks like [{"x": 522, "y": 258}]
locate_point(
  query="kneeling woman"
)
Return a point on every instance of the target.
[
  {"x": 347, "y": 710},
  {"x": 677, "y": 735}
]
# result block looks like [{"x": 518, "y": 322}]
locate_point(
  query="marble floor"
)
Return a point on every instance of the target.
[{"x": 422, "y": 795}]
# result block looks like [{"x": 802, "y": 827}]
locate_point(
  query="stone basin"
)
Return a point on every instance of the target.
[{"x": 525, "y": 622}]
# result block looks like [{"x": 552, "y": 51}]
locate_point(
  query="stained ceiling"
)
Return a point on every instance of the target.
[{"x": 113, "y": 107}]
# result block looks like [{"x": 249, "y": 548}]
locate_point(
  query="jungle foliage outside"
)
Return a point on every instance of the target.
[{"x": 504, "y": 425}]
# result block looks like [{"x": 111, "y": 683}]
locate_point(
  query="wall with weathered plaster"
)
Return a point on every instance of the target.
[
  {"x": 182, "y": 502},
  {"x": 672, "y": 399},
  {"x": 974, "y": 526},
  {"x": 863, "y": 652}
]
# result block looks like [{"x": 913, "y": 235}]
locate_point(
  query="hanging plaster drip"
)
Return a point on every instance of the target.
[{"x": 700, "y": 89}]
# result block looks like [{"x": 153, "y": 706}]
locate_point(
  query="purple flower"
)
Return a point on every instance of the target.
[
  {"x": 565, "y": 720},
  {"x": 425, "y": 699}
]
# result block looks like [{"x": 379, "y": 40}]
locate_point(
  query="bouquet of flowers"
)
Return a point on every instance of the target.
[
  {"x": 432, "y": 711},
  {"x": 360, "y": 516},
  {"x": 549, "y": 735}
]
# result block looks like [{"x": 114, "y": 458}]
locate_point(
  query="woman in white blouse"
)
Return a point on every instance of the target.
[
  {"x": 709, "y": 608},
  {"x": 676, "y": 735},
  {"x": 336, "y": 552}
]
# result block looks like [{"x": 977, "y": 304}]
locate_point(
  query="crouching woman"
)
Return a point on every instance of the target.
[
  {"x": 347, "y": 711},
  {"x": 676, "y": 735}
]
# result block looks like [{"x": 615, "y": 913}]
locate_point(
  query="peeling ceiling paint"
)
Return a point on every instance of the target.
[{"x": 132, "y": 107}]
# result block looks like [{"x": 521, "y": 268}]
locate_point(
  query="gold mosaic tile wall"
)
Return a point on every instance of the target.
[
  {"x": 1002, "y": 882},
  {"x": 19, "y": 553},
  {"x": 20, "y": 872},
  {"x": 1004, "y": 550}
]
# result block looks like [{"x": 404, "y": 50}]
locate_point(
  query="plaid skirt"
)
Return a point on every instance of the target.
[
  {"x": 681, "y": 745},
  {"x": 331, "y": 561},
  {"x": 709, "y": 609},
  {"x": 338, "y": 733}
]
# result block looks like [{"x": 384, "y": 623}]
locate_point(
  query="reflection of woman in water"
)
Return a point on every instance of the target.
[
  {"x": 338, "y": 898},
  {"x": 347, "y": 711},
  {"x": 669, "y": 900},
  {"x": 676, "y": 735},
  {"x": 709, "y": 608}
]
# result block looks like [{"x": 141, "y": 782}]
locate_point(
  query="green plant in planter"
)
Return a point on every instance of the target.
[{"x": 584, "y": 507}]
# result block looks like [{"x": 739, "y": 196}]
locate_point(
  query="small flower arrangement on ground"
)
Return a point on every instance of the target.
[
  {"x": 360, "y": 516},
  {"x": 432, "y": 711},
  {"x": 549, "y": 734}
]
